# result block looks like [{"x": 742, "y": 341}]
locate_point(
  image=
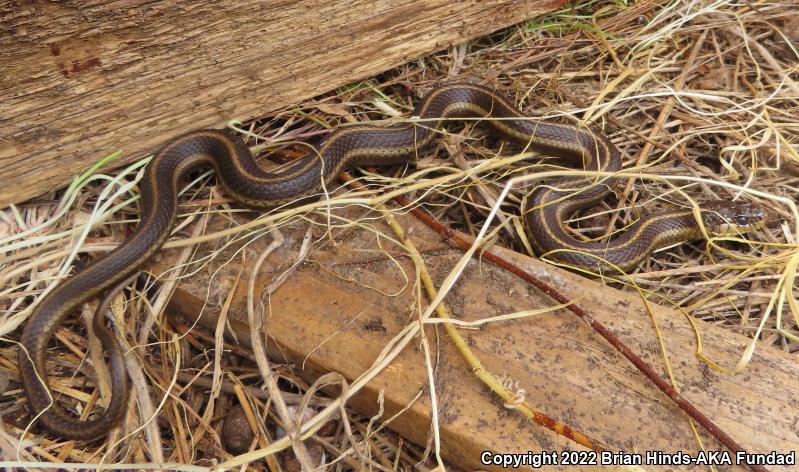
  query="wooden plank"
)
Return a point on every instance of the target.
[
  {"x": 329, "y": 317},
  {"x": 79, "y": 82}
]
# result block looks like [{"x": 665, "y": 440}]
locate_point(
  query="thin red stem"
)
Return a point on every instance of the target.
[{"x": 457, "y": 240}]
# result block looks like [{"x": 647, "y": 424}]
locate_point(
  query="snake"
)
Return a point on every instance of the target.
[{"x": 544, "y": 212}]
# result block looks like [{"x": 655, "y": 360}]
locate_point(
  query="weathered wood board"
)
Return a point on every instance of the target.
[
  {"x": 329, "y": 316},
  {"x": 80, "y": 80}
]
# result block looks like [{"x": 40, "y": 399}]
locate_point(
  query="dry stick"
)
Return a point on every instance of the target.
[
  {"x": 457, "y": 239},
  {"x": 562, "y": 45},
  {"x": 477, "y": 367},
  {"x": 490, "y": 198},
  {"x": 769, "y": 59},
  {"x": 254, "y": 422},
  {"x": 256, "y": 319},
  {"x": 230, "y": 387},
  {"x": 196, "y": 336},
  {"x": 665, "y": 112}
]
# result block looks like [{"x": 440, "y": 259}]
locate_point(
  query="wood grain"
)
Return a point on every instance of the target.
[
  {"x": 80, "y": 80},
  {"x": 331, "y": 316}
]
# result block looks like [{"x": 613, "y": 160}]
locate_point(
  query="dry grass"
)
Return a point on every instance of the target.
[{"x": 707, "y": 90}]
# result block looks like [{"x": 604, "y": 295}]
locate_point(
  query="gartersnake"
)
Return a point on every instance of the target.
[{"x": 348, "y": 146}]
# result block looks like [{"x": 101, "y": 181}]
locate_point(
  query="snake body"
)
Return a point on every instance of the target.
[{"x": 349, "y": 146}]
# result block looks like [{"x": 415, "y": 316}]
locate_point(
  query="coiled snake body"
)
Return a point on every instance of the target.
[{"x": 348, "y": 146}]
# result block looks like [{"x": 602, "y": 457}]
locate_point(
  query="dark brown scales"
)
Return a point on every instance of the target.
[{"x": 246, "y": 182}]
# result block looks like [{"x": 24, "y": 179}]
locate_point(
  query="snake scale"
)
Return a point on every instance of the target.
[{"x": 544, "y": 213}]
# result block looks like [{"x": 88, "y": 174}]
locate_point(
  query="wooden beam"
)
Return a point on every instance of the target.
[
  {"x": 330, "y": 316},
  {"x": 80, "y": 81}
]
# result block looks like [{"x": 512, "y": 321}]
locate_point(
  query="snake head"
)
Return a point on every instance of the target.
[{"x": 723, "y": 218}]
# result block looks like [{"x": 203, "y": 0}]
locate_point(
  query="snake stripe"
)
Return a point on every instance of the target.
[{"x": 348, "y": 146}]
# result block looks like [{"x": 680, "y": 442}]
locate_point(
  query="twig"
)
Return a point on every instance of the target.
[
  {"x": 510, "y": 398},
  {"x": 461, "y": 241}
]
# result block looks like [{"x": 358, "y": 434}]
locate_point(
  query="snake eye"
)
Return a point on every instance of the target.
[{"x": 742, "y": 220}]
